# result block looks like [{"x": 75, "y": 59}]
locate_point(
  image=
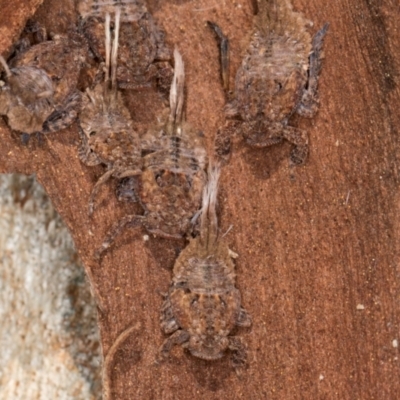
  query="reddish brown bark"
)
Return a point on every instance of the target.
[{"x": 314, "y": 242}]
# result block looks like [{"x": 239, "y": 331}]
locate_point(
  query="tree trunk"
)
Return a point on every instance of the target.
[{"x": 318, "y": 245}]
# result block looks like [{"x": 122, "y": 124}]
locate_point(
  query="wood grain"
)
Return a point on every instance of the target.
[{"x": 315, "y": 243}]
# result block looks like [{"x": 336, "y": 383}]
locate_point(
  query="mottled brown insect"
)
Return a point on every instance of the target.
[
  {"x": 143, "y": 56},
  {"x": 40, "y": 94},
  {"x": 174, "y": 161},
  {"x": 278, "y": 78},
  {"x": 203, "y": 305},
  {"x": 106, "y": 125}
]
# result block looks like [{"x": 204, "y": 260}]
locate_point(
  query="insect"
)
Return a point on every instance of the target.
[
  {"x": 278, "y": 77},
  {"x": 143, "y": 56},
  {"x": 106, "y": 125},
  {"x": 173, "y": 176},
  {"x": 203, "y": 305},
  {"x": 40, "y": 94}
]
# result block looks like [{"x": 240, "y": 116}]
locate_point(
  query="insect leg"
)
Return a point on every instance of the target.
[
  {"x": 167, "y": 318},
  {"x": 309, "y": 102},
  {"x": 39, "y": 31},
  {"x": 239, "y": 353},
  {"x": 223, "y": 53},
  {"x": 223, "y": 142},
  {"x": 85, "y": 154},
  {"x": 129, "y": 220},
  {"x": 103, "y": 179},
  {"x": 243, "y": 318},
  {"x": 62, "y": 118},
  {"x": 177, "y": 338},
  {"x": 299, "y": 138}
]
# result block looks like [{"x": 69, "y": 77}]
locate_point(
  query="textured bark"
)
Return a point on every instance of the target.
[
  {"x": 318, "y": 245},
  {"x": 48, "y": 332}
]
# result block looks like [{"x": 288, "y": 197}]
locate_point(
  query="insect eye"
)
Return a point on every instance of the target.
[{"x": 92, "y": 133}]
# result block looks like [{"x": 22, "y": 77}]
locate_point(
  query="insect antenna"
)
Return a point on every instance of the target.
[
  {"x": 112, "y": 51},
  {"x": 176, "y": 94},
  {"x": 208, "y": 219},
  {"x": 108, "y": 46}
]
